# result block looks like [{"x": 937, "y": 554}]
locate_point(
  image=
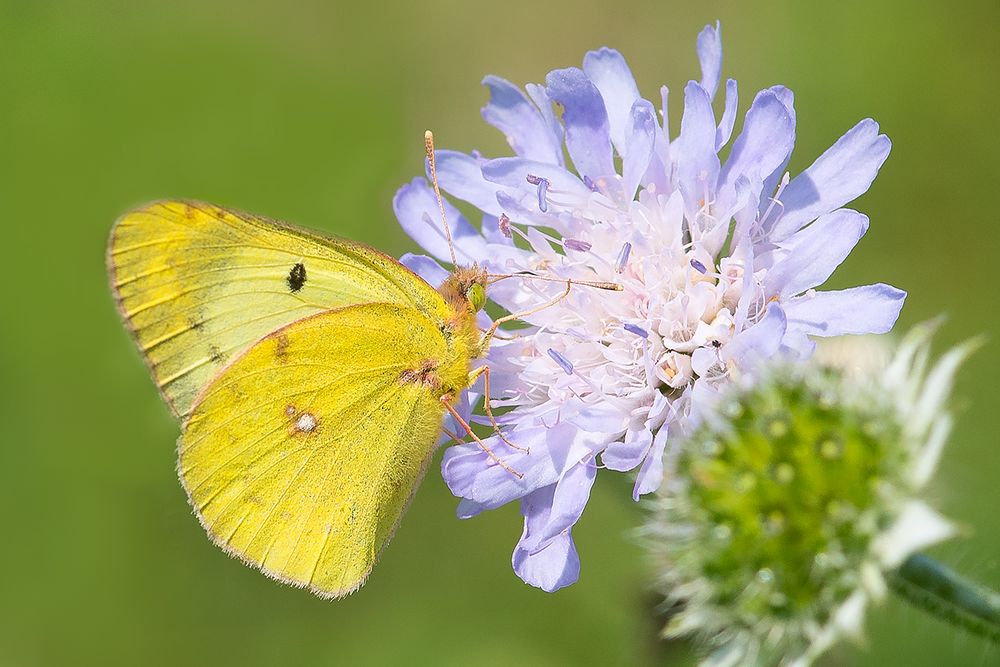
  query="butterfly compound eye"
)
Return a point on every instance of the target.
[{"x": 476, "y": 294}]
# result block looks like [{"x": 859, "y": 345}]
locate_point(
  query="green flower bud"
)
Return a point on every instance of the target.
[{"x": 786, "y": 506}]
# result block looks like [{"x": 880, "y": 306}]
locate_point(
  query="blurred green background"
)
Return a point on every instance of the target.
[{"x": 313, "y": 113}]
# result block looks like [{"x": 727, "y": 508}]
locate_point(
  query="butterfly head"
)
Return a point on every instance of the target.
[{"x": 465, "y": 288}]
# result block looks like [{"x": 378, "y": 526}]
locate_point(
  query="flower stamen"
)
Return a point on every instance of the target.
[
  {"x": 623, "y": 255},
  {"x": 504, "y": 224},
  {"x": 637, "y": 330},
  {"x": 563, "y": 362},
  {"x": 543, "y": 186}
]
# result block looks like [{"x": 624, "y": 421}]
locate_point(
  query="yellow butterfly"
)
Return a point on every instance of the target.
[{"x": 311, "y": 376}]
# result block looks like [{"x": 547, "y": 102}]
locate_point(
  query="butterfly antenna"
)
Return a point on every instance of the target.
[
  {"x": 429, "y": 149},
  {"x": 528, "y": 275}
]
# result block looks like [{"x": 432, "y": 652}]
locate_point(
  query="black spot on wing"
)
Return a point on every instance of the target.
[{"x": 297, "y": 277}]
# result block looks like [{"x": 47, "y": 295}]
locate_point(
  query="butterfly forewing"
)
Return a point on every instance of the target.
[
  {"x": 301, "y": 456},
  {"x": 198, "y": 284}
]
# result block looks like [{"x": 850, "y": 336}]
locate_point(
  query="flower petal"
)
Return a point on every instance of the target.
[
  {"x": 763, "y": 145},
  {"x": 697, "y": 162},
  {"x": 524, "y": 211},
  {"x": 845, "y": 171},
  {"x": 461, "y": 176},
  {"x": 926, "y": 460},
  {"x": 550, "y": 569},
  {"x": 797, "y": 344},
  {"x": 709, "y": 47},
  {"x": 787, "y": 98},
  {"x": 544, "y": 102},
  {"x": 609, "y": 72},
  {"x": 759, "y": 341},
  {"x": 639, "y": 142},
  {"x": 725, "y": 130},
  {"x": 587, "y": 130},
  {"x": 417, "y": 212},
  {"x": 425, "y": 267},
  {"x": 473, "y": 474},
  {"x": 846, "y": 620},
  {"x": 651, "y": 474},
  {"x": 917, "y": 527},
  {"x": 513, "y": 172},
  {"x": 815, "y": 252},
  {"x": 626, "y": 454},
  {"x": 601, "y": 418},
  {"x": 468, "y": 509},
  {"x": 571, "y": 494},
  {"x": 527, "y": 130},
  {"x": 937, "y": 387},
  {"x": 858, "y": 310},
  {"x": 658, "y": 174}
]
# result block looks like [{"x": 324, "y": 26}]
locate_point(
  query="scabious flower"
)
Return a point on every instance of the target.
[
  {"x": 718, "y": 261},
  {"x": 796, "y": 497}
]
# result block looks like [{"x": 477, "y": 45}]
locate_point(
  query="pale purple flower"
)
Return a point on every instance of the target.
[{"x": 718, "y": 264}]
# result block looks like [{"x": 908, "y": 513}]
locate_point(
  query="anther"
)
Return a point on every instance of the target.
[
  {"x": 637, "y": 330},
  {"x": 543, "y": 188},
  {"x": 563, "y": 362},
  {"x": 698, "y": 266},
  {"x": 579, "y": 246},
  {"x": 623, "y": 257},
  {"x": 504, "y": 224}
]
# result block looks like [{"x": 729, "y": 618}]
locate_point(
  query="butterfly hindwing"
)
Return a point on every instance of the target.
[
  {"x": 197, "y": 284},
  {"x": 301, "y": 456}
]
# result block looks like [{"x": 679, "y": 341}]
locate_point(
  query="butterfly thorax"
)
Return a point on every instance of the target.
[{"x": 464, "y": 292}]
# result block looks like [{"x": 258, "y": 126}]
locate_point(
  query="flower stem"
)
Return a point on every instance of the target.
[{"x": 927, "y": 584}]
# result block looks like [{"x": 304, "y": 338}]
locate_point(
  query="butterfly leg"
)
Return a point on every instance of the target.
[
  {"x": 484, "y": 370},
  {"x": 485, "y": 341},
  {"x": 459, "y": 440},
  {"x": 482, "y": 445}
]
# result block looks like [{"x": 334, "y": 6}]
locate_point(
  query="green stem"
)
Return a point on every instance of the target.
[{"x": 931, "y": 586}]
